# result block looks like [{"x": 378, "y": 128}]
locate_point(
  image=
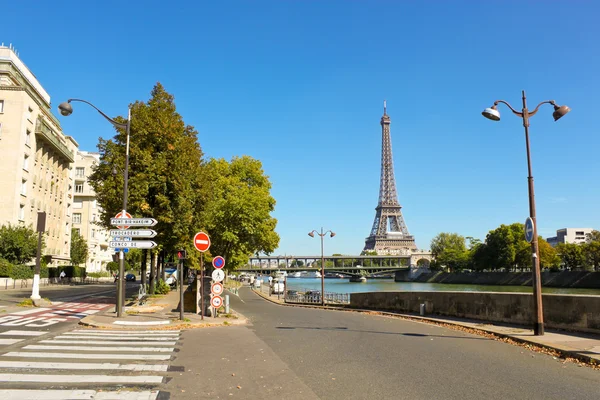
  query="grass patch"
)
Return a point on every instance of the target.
[
  {"x": 232, "y": 316},
  {"x": 132, "y": 312},
  {"x": 26, "y": 303},
  {"x": 226, "y": 323}
]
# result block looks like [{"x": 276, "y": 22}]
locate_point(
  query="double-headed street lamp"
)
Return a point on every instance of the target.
[
  {"x": 66, "y": 109},
  {"x": 559, "y": 111},
  {"x": 322, "y": 234}
]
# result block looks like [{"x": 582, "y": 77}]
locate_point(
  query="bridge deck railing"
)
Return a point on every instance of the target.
[{"x": 306, "y": 296}]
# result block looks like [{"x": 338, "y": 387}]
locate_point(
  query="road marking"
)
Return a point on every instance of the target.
[
  {"x": 23, "y": 333},
  {"x": 10, "y": 341},
  {"x": 98, "y": 348},
  {"x": 119, "y": 343},
  {"x": 125, "y": 338},
  {"x": 121, "y": 332},
  {"x": 80, "y": 378},
  {"x": 163, "y": 322},
  {"x": 98, "y": 366},
  {"x": 160, "y": 357},
  {"x": 21, "y": 394},
  {"x": 27, "y": 312}
]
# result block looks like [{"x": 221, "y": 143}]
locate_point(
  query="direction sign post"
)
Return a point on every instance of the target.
[
  {"x": 127, "y": 222},
  {"x": 201, "y": 243},
  {"x": 132, "y": 244}
]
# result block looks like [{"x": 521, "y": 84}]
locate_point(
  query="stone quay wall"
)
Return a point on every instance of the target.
[
  {"x": 569, "y": 312},
  {"x": 563, "y": 279}
]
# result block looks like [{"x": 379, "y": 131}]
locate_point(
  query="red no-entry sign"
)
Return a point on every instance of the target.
[{"x": 201, "y": 241}]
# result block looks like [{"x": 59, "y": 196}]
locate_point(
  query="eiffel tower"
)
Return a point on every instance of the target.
[{"x": 389, "y": 235}]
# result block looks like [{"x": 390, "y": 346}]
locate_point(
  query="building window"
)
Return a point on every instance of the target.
[
  {"x": 93, "y": 217},
  {"x": 80, "y": 172},
  {"x": 26, "y": 163},
  {"x": 1, "y": 106},
  {"x": 579, "y": 233},
  {"x": 79, "y": 187},
  {"x": 28, "y": 137},
  {"x": 76, "y": 218},
  {"x": 29, "y": 111},
  {"x": 78, "y": 203},
  {"x": 23, "y": 187},
  {"x": 94, "y": 204},
  {"x": 0, "y": 130},
  {"x": 93, "y": 233},
  {"x": 21, "y": 212}
]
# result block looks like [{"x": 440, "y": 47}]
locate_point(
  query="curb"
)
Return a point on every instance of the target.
[{"x": 563, "y": 352}]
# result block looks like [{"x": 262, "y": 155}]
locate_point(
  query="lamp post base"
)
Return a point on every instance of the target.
[{"x": 538, "y": 329}]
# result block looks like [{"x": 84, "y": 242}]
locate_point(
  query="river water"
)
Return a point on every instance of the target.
[{"x": 379, "y": 285}]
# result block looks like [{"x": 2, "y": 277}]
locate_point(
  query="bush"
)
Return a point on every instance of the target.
[
  {"x": 112, "y": 266},
  {"x": 5, "y": 268},
  {"x": 44, "y": 272},
  {"x": 71, "y": 271},
  {"x": 21, "y": 272},
  {"x": 102, "y": 274},
  {"x": 162, "y": 287}
]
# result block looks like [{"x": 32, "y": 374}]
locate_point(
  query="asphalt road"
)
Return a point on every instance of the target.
[{"x": 301, "y": 353}]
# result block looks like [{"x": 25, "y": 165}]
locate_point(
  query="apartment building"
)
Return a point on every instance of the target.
[
  {"x": 86, "y": 214},
  {"x": 36, "y": 158},
  {"x": 569, "y": 235}
]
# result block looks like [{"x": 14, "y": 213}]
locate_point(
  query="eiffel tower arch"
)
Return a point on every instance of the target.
[{"x": 389, "y": 234}]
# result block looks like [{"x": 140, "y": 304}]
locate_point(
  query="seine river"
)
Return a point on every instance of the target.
[{"x": 378, "y": 285}]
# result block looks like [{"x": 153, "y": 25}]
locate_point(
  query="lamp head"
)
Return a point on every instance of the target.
[
  {"x": 492, "y": 113},
  {"x": 560, "y": 111},
  {"x": 331, "y": 234},
  {"x": 311, "y": 234},
  {"x": 65, "y": 108}
]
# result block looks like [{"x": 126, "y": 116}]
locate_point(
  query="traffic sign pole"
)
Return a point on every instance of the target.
[
  {"x": 202, "y": 286},
  {"x": 180, "y": 273}
]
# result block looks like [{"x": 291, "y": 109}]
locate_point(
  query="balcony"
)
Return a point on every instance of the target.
[{"x": 43, "y": 131}]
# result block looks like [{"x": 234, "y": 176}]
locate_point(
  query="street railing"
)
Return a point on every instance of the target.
[
  {"x": 9, "y": 283},
  {"x": 306, "y": 296}
]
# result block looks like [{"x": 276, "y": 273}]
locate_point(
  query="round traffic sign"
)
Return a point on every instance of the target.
[
  {"x": 123, "y": 214},
  {"x": 218, "y": 275},
  {"x": 218, "y": 262},
  {"x": 529, "y": 230},
  {"x": 216, "y": 301},
  {"x": 201, "y": 241},
  {"x": 217, "y": 288}
]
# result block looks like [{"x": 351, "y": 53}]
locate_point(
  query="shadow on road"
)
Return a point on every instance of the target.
[{"x": 338, "y": 328}]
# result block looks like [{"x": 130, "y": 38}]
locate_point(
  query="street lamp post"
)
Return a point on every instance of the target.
[
  {"x": 322, "y": 234},
  {"x": 66, "y": 109},
  {"x": 559, "y": 111}
]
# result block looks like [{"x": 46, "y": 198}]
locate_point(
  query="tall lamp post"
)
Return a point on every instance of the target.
[
  {"x": 66, "y": 109},
  {"x": 322, "y": 234},
  {"x": 559, "y": 111}
]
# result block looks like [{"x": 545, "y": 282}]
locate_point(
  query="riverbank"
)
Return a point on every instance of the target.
[{"x": 563, "y": 279}]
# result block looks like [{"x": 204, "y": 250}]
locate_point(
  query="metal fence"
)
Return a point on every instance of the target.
[
  {"x": 306, "y": 296},
  {"x": 9, "y": 283}
]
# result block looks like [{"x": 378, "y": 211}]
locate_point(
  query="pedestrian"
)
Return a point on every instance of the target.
[{"x": 62, "y": 275}]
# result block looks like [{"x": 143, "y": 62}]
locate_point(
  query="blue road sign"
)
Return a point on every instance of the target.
[
  {"x": 529, "y": 230},
  {"x": 218, "y": 262}
]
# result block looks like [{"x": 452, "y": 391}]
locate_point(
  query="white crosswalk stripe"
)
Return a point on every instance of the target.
[{"x": 73, "y": 364}]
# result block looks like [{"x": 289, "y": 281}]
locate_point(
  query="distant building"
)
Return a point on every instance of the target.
[
  {"x": 86, "y": 214},
  {"x": 569, "y": 235},
  {"x": 35, "y": 158}
]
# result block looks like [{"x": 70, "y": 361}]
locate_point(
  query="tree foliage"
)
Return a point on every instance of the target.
[
  {"x": 79, "y": 248},
  {"x": 237, "y": 212},
  {"x": 18, "y": 244},
  {"x": 450, "y": 251},
  {"x": 571, "y": 254},
  {"x": 164, "y": 171}
]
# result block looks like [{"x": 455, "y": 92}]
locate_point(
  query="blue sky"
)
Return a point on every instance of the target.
[{"x": 300, "y": 86}]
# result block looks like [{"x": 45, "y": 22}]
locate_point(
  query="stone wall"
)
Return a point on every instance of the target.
[
  {"x": 564, "y": 279},
  {"x": 569, "y": 312}
]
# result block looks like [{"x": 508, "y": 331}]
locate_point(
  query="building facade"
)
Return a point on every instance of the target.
[
  {"x": 86, "y": 214},
  {"x": 569, "y": 235},
  {"x": 36, "y": 158}
]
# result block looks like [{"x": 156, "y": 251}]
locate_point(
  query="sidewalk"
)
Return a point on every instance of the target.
[
  {"x": 579, "y": 346},
  {"x": 157, "y": 313}
]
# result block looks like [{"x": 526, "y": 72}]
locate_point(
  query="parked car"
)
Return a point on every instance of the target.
[
  {"x": 130, "y": 278},
  {"x": 277, "y": 286}
]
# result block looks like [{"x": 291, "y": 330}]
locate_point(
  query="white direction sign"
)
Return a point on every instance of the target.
[
  {"x": 133, "y": 221},
  {"x": 133, "y": 244},
  {"x": 218, "y": 275},
  {"x": 140, "y": 233}
]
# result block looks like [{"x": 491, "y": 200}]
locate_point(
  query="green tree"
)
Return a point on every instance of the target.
[
  {"x": 238, "y": 207},
  {"x": 593, "y": 236},
  {"x": 79, "y": 248},
  {"x": 164, "y": 172},
  {"x": 450, "y": 250},
  {"x": 591, "y": 252},
  {"x": 571, "y": 255},
  {"x": 18, "y": 244}
]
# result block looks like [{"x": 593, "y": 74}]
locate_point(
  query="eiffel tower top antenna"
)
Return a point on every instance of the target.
[{"x": 384, "y": 107}]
